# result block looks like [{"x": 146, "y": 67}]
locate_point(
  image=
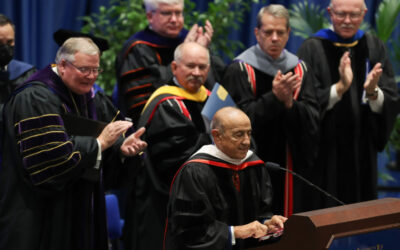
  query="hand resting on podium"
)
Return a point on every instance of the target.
[{"x": 257, "y": 230}]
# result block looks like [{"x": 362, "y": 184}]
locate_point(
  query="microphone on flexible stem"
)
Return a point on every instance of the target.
[{"x": 276, "y": 166}]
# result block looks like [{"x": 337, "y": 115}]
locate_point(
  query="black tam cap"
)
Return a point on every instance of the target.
[{"x": 61, "y": 35}]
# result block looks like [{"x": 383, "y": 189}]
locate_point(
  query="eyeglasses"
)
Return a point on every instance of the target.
[
  {"x": 169, "y": 14},
  {"x": 85, "y": 70},
  {"x": 354, "y": 16}
]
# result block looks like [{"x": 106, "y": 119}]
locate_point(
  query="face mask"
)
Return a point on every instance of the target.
[{"x": 6, "y": 54}]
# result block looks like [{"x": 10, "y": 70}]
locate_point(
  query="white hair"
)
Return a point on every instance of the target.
[
  {"x": 76, "y": 44},
  {"x": 364, "y": 5},
  {"x": 152, "y": 5},
  {"x": 178, "y": 53}
]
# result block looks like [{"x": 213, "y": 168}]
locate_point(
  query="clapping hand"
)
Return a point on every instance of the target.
[
  {"x": 346, "y": 74},
  {"x": 284, "y": 85},
  {"x": 200, "y": 35},
  {"x": 133, "y": 145}
]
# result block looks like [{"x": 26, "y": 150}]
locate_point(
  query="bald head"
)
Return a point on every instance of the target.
[
  {"x": 189, "y": 49},
  {"x": 227, "y": 114},
  {"x": 231, "y": 131}
]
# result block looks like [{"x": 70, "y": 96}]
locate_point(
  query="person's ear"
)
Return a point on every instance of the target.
[
  {"x": 256, "y": 32},
  {"x": 149, "y": 16},
  {"x": 329, "y": 10},
  {"x": 215, "y": 135},
  {"x": 61, "y": 66},
  {"x": 364, "y": 12},
  {"x": 174, "y": 67}
]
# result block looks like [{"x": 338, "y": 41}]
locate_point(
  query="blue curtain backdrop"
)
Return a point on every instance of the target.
[{"x": 37, "y": 20}]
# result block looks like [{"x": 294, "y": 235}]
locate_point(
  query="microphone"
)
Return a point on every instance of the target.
[{"x": 276, "y": 166}]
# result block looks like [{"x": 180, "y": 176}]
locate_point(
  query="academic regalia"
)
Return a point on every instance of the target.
[
  {"x": 351, "y": 134},
  {"x": 174, "y": 131},
  {"x": 143, "y": 65},
  {"x": 17, "y": 72},
  {"x": 210, "y": 194},
  {"x": 279, "y": 133},
  {"x": 51, "y": 196}
]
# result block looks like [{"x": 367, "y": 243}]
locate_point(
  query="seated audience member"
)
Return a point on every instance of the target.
[
  {"x": 54, "y": 171},
  {"x": 174, "y": 131},
  {"x": 12, "y": 72},
  {"x": 144, "y": 64},
  {"x": 275, "y": 89},
  {"x": 221, "y": 197}
]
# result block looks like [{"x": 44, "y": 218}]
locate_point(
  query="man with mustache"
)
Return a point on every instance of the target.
[
  {"x": 175, "y": 130},
  {"x": 357, "y": 93},
  {"x": 221, "y": 197},
  {"x": 275, "y": 89},
  {"x": 144, "y": 63}
]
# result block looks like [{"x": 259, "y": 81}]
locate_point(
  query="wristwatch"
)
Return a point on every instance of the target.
[{"x": 374, "y": 93}]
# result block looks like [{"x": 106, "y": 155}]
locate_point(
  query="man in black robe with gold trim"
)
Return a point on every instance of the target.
[
  {"x": 144, "y": 63},
  {"x": 275, "y": 89},
  {"x": 54, "y": 171},
  {"x": 357, "y": 93},
  {"x": 221, "y": 197}
]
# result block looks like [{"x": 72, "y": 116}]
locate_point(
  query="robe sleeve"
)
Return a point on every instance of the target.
[
  {"x": 118, "y": 171},
  {"x": 192, "y": 220},
  {"x": 382, "y": 123},
  {"x": 312, "y": 52},
  {"x": 237, "y": 84},
  {"x": 302, "y": 122},
  {"x": 140, "y": 73},
  {"x": 172, "y": 138},
  {"x": 51, "y": 158}
]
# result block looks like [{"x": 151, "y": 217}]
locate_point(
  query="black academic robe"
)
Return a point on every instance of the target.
[
  {"x": 276, "y": 129},
  {"x": 143, "y": 65},
  {"x": 174, "y": 131},
  {"x": 51, "y": 197},
  {"x": 351, "y": 134},
  {"x": 17, "y": 72},
  {"x": 208, "y": 195}
]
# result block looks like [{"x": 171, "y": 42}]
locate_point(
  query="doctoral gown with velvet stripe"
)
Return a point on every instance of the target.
[
  {"x": 51, "y": 197},
  {"x": 144, "y": 64}
]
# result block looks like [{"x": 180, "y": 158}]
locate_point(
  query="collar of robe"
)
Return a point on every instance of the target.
[
  {"x": 150, "y": 36},
  {"x": 200, "y": 96},
  {"x": 215, "y": 152},
  {"x": 338, "y": 41},
  {"x": 260, "y": 60}
]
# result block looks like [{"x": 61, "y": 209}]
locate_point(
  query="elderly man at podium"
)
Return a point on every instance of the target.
[{"x": 221, "y": 197}]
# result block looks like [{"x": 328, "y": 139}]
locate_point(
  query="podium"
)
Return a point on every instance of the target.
[{"x": 316, "y": 230}]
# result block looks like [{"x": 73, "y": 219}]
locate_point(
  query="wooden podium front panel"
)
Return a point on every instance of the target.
[{"x": 315, "y": 230}]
